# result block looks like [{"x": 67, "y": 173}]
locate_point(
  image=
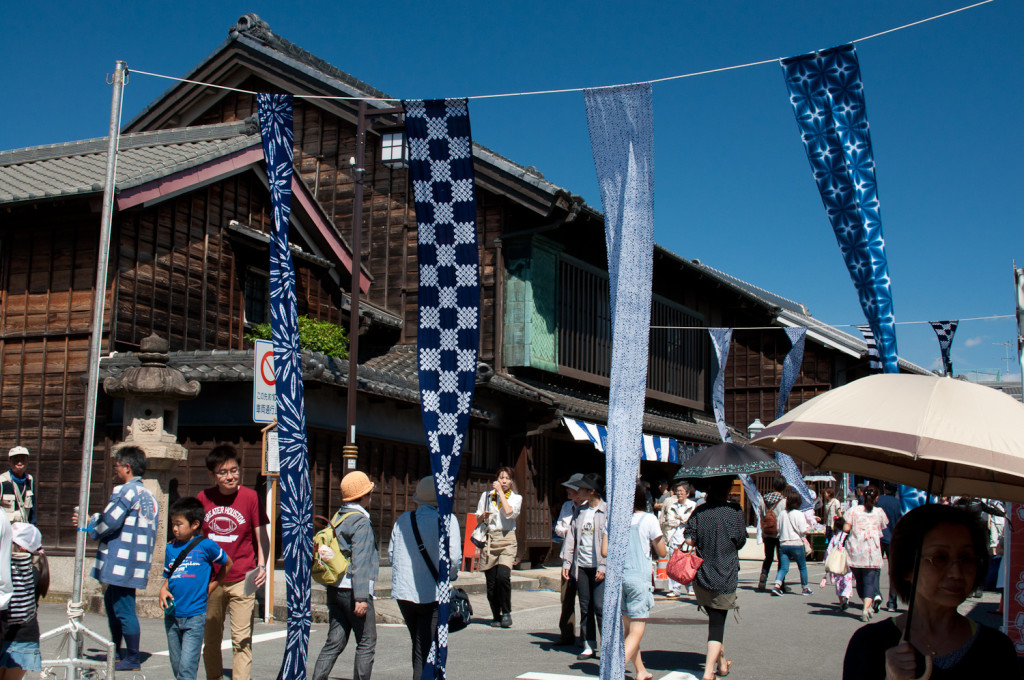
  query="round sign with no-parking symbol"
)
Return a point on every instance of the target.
[{"x": 264, "y": 394}]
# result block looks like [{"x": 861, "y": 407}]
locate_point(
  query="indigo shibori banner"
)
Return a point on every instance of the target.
[
  {"x": 827, "y": 95},
  {"x": 621, "y": 124},
  {"x": 790, "y": 370},
  {"x": 275, "y": 118},
  {"x": 441, "y": 172},
  {"x": 945, "y": 330}
]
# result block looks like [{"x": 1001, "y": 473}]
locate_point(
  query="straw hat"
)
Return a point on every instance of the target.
[
  {"x": 17, "y": 451},
  {"x": 425, "y": 493},
  {"x": 27, "y": 536},
  {"x": 355, "y": 485}
]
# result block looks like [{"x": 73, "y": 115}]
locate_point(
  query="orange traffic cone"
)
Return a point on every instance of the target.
[{"x": 662, "y": 568}]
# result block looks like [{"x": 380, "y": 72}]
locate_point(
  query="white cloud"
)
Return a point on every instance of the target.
[{"x": 974, "y": 342}]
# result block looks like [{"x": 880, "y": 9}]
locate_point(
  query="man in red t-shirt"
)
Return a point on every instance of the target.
[{"x": 237, "y": 522}]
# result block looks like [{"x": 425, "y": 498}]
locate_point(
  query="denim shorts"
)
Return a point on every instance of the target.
[
  {"x": 24, "y": 655},
  {"x": 637, "y": 598}
]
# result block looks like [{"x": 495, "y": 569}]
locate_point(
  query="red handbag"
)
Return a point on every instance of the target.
[{"x": 683, "y": 566}]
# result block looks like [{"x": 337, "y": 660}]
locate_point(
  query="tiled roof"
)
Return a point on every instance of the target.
[
  {"x": 793, "y": 314},
  {"x": 77, "y": 168},
  {"x": 391, "y": 375}
]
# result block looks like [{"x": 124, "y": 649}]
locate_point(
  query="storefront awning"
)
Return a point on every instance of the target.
[{"x": 655, "y": 448}]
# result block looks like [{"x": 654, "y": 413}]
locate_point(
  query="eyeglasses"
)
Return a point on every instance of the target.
[
  {"x": 233, "y": 472},
  {"x": 943, "y": 561}
]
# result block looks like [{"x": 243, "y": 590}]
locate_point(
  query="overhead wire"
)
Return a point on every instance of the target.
[{"x": 569, "y": 89}]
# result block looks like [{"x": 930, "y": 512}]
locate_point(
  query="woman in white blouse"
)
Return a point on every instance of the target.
[{"x": 499, "y": 508}]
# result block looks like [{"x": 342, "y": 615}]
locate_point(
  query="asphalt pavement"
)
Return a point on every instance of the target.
[{"x": 792, "y": 637}]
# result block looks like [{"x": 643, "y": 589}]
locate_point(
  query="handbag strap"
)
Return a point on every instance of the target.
[
  {"x": 184, "y": 553},
  {"x": 419, "y": 544}
]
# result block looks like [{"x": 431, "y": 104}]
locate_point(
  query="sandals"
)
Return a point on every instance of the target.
[{"x": 728, "y": 668}]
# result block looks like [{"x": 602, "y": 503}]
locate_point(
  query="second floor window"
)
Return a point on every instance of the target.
[{"x": 257, "y": 296}]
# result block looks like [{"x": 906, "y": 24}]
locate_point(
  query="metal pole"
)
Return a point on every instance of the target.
[
  {"x": 351, "y": 451},
  {"x": 75, "y": 612}
]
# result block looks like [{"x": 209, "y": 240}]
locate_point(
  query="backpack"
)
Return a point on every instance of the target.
[
  {"x": 329, "y": 563},
  {"x": 770, "y": 523}
]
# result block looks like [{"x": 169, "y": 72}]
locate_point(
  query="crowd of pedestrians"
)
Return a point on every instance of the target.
[{"x": 219, "y": 544}]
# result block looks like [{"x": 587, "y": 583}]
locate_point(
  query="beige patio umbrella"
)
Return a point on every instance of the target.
[{"x": 969, "y": 439}]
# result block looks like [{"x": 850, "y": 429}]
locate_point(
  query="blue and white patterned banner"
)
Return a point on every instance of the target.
[
  {"x": 827, "y": 95},
  {"x": 621, "y": 123},
  {"x": 790, "y": 370},
  {"x": 720, "y": 340},
  {"x": 275, "y": 117},
  {"x": 945, "y": 330},
  {"x": 441, "y": 172},
  {"x": 874, "y": 362}
]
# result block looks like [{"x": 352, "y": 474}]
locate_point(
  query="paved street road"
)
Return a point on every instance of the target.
[{"x": 791, "y": 637}]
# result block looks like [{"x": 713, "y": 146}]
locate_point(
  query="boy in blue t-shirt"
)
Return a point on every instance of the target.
[{"x": 187, "y": 586}]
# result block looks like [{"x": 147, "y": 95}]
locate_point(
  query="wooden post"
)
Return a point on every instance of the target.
[{"x": 271, "y": 468}]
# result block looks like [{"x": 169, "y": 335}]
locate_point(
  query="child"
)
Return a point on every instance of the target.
[
  {"x": 188, "y": 564},
  {"x": 843, "y": 582},
  {"x": 20, "y": 651}
]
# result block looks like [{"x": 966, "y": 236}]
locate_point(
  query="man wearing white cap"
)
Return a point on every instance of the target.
[
  {"x": 412, "y": 571},
  {"x": 18, "y": 488}
]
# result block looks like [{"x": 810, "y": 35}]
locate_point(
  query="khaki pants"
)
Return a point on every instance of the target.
[{"x": 242, "y": 611}]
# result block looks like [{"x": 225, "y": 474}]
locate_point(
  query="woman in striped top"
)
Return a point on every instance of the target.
[{"x": 20, "y": 650}]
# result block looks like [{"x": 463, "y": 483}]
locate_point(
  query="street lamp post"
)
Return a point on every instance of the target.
[
  {"x": 755, "y": 428},
  {"x": 393, "y": 151}
]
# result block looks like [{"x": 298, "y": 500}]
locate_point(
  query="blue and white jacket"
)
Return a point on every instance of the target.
[{"x": 126, "y": 530}]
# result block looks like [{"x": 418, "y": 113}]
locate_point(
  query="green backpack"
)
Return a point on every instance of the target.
[{"x": 328, "y": 571}]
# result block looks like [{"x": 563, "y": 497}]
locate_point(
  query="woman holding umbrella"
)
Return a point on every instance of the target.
[
  {"x": 717, "y": 530},
  {"x": 943, "y": 642}
]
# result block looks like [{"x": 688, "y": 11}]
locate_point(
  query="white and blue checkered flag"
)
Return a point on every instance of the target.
[
  {"x": 441, "y": 172},
  {"x": 945, "y": 330}
]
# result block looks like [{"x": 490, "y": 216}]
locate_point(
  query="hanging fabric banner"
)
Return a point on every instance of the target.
[
  {"x": 790, "y": 370},
  {"x": 720, "y": 340},
  {"x": 275, "y": 118},
  {"x": 874, "y": 361},
  {"x": 945, "y": 330},
  {"x": 441, "y": 172},
  {"x": 827, "y": 95},
  {"x": 621, "y": 124}
]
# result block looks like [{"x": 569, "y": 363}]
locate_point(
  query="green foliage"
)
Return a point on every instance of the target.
[{"x": 314, "y": 335}]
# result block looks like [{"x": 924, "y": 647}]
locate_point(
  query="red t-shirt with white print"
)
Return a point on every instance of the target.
[{"x": 231, "y": 522}]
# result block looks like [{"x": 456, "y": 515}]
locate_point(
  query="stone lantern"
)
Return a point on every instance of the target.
[{"x": 151, "y": 393}]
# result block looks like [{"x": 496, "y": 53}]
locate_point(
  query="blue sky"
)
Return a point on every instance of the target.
[{"x": 733, "y": 186}]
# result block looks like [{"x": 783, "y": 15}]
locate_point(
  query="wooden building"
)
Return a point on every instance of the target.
[{"x": 189, "y": 262}]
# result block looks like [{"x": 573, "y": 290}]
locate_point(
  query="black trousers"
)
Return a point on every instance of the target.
[
  {"x": 421, "y": 621},
  {"x": 567, "y": 619},
  {"x": 499, "y": 590},
  {"x": 771, "y": 554},
  {"x": 591, "y": 593}
]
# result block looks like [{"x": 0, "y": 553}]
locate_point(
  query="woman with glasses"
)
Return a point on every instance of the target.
[
  {"x": 954, "y": 561},
  {"x": 864, "y": 526}
]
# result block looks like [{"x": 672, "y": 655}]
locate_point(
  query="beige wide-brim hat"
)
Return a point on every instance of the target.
[
  {"x": 355, "y": 485},
  {"x": 425, "y": 493}
]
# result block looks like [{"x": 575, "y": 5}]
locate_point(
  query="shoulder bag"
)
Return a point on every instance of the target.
[
  {"x": 460, "y": 611},
  {"x": 683, "y": 566}
]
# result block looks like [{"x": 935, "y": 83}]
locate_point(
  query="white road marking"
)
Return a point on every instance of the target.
[
  {"x": 226, "y": 644},
  {"x": 674, "y": 675}
]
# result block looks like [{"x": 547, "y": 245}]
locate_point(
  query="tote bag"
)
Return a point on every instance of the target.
[{"x": 683, "y": 566}]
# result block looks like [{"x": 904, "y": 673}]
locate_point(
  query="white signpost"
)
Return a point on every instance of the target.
[{"x": 264, "y": 394}]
